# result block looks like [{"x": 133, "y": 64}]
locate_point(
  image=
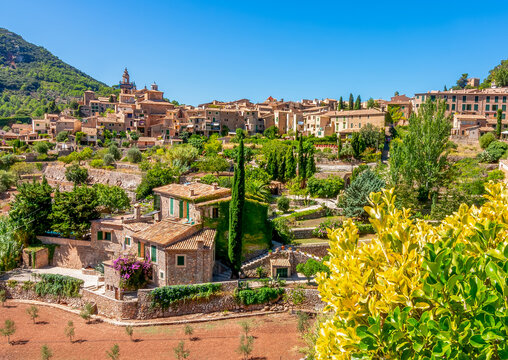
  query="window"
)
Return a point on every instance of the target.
[
  {"x": 488, "y": 98},
  {"x": 153, "y": 253},
  {"x": 156, "y": 202},
  {"x": 487, "y": 107},
  {"x": 215, "y": 213},
  {"x": 99, "y": 235},
  {"x": 171, "y": 206},
  {"x": 161, "y": 275},
  {"x": 107, "y": 236},
  {"x": 476, "y": 107},
  {"x": 463, "y": 107},
  {"x": 476, "y": 99},
  {"x": 281, "y": 272},
  {"x": 504, "y": 99},
  {"x": 454, "y": 98},
  {"x": 359, "y": 125},
  {"x": 180, "y": 260},
  {"x": 453, "y": 106},
  {"x": 140, "y": 248},
  {"x": 180, "y": 215},
  {"x": 494, "y": 107},
  {"x": 127, "y": 241},
  {"x": 496, "y": 99},
  {"x": 504, "y": 107},
  {"x": 464, "y": 98}
]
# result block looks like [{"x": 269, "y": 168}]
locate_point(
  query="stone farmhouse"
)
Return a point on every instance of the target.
[{"x": 174, "y": 237}]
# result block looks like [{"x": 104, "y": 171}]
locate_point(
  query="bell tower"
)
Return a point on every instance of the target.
[{"x": 125, "y": 85}]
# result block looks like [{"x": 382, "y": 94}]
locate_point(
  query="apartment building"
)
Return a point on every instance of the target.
[{"x": 468, "y": 101}]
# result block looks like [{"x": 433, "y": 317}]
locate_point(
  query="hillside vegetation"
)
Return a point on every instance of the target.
[{"x": 31, "y": 77}]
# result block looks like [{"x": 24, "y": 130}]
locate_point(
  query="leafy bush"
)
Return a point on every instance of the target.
[
  {"x": 163, "y": 297},
  {"x": 496, "y": 150},
  {"x": 76, "y": 174},
  {"x": 134, "y": 155},
  {"x": 208, "y": 179},
  {"x": 419, "y": 291},
  {"x": 58, "y": 285},
  {"x": 311, "y": 267},
  {"x": 257, "y": 296},
  {"x": 282, "y": 231},
  {"x": 486, "y": 139},
  {"x": 321, "y": 231},
  {"x": 97, "y": 163},
  {"x": 108, "y": 160},
  {"x": 283, "y": 203}
]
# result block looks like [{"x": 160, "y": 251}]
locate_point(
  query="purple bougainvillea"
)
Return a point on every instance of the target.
[{"x": 134, "y": 273}]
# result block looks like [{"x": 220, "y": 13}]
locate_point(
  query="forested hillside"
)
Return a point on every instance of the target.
[{"x": 30, "y": 77}]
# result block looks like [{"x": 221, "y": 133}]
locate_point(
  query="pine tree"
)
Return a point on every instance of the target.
[
  {"x": 351, "y": 102},
  {"x": 499, "y": 125},
  {"x": 358, "y": 103},
  {"x": 340, "y": 105},
  {"x": 31, "y": 208},
  {"x": 290, "y": 164},
  {"x": 236, "y": 214}
]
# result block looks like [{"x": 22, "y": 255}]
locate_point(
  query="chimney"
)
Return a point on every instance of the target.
[
  {"x": 215, "y": 186},
  {"x": 158, "y": 216},
  {"x": 137, "y": 211},
  {"x": 201, "y": 244},
  {"x": 191, "y": 192}
]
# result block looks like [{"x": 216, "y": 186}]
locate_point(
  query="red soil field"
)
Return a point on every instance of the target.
[{"x": 276, "y": 337}]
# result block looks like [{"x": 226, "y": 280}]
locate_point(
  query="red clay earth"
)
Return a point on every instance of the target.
[{"x": 276, "y": 337}]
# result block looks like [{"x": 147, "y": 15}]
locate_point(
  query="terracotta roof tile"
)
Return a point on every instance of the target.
[
  {"x": 207, "y": 236},
  {"x": 193, "y": 191},
  {"x": 166, "y": 231}
]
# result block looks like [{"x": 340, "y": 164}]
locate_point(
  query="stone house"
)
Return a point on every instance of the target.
[{"x": 181, "y": 249}]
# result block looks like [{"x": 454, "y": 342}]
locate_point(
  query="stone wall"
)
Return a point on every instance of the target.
[
  {"x": 319, "y": 249},
  {"x": 40, "y": 256},
  {"x": 140, "y": 308},
  {"x": 302, "y": 233},
  {"x": 127, "y": 180}
]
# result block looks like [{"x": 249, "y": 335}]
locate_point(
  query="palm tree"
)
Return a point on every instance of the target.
[{"x": 258, "y": 190}]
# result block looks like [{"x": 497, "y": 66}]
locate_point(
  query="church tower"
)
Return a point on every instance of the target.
[{"x": 125, "y": 85}]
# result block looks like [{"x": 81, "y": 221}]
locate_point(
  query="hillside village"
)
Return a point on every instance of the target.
[{"x": 130, "y": 208}]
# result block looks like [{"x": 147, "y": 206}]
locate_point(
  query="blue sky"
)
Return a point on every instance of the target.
[{"x": 198, "y": 51}]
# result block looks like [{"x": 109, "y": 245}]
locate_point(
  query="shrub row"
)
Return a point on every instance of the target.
[
  {"x": 163, "y": 297},
  {"x": 257, "y": 296},
  {"x": 58, "y": 285}
]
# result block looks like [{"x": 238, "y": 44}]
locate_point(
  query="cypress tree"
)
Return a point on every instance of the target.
[
  {"x": 340, "y": 105},
  {"x": 310, "y": 166},
  {"x": 236, "y": 214},
  {"x": 351, "y": 101},
  {"x": 281, "y": 166},
  {"x": 499, "y": 123},
  {"x": 339, "y": 144},
  {"x": 301, "y": 158},
  {"x": 290, "y": 164},
  {"x": 358, "y": 103}
]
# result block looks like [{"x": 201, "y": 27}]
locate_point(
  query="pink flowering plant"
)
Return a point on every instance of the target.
[{"x": 134, "y": 273}]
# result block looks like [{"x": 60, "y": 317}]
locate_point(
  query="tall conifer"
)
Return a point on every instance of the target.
[{"x": 236, "y": 207}]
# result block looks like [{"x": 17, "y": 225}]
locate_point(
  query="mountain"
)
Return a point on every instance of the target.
[{"x": 31, "y": 77}]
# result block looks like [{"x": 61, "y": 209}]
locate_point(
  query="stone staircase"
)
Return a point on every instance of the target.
[{"x": 223, "y": 276}]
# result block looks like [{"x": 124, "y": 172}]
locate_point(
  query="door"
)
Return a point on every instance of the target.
[{"x": 282, "y": 272}]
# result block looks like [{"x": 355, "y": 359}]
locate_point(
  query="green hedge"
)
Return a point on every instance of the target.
[
  {"x": 257, "y": 229},
  {"x": 58, "y": 285},
  {"x": 163, "y": 297},
  {"x": 257, "y": 296}
]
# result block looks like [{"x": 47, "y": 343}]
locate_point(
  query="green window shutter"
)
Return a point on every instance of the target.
[
  {"x": 171, "y": 206},
  {"x": 180, "y": 215},
  {"x": 107, "y": 236},
  {"x": 180, "y": 260},
  {"x": 99, "y": 235},
  {"x": 154, "y": 253},
  {"x": 139, "y": 249},
  {"x": 188, "y": 215}
]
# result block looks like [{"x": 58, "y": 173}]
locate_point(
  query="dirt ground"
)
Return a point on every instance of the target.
[{"x": 276, "y": 337}]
